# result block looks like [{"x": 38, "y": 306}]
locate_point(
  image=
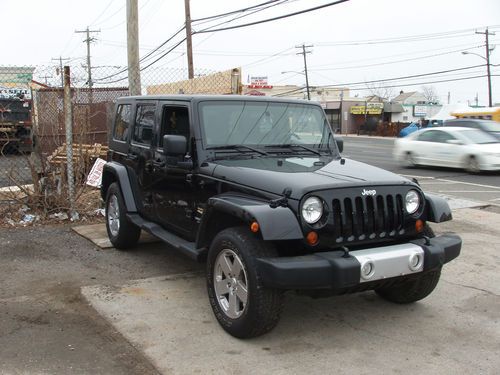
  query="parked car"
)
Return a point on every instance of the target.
[
  {"x": 489, "y": 126},
  {"x": 256, "y": 188},
  {"x": 457, "y": 147},
  {"x": 413, "y": 127}
]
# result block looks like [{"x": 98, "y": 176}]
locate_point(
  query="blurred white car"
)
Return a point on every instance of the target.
[{"x": 457, "y": 147}]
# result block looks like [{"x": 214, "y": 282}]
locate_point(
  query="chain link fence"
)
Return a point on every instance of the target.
[{"x": 33, "y": 157}]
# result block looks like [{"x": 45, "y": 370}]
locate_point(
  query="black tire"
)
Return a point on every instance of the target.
[
  {"x": 410, "y": 161},
  {"x": 415, "y": 289},
  {"x": 262, "y": 309},
  {"x": 472, "y": 165},
  {"x": 411, "y": 290},
  {"x": 122, "y": 233}
]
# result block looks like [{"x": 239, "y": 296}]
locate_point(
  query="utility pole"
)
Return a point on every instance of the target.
[
  {"x": 88, "y": 41},
  {"x": 61, "y": 70},
  {"x": 189, "y": 42},
  {"x": 45, "y": 77},
  {"x": 134, "y": 71},
  {"x": 304, "y": 52},
  {"x": 449, "y": 97},
  {"x": 487, "y": 44}
]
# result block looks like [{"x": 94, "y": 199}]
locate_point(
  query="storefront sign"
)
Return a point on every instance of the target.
[
  {"x": 420, "y": 110},
  {"x": 373, "y": 109}
]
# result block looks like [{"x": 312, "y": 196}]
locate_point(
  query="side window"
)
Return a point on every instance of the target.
[
  {"x": 144, "y": 123},
  {"x": 429, "y": 136},
  {"x": 175, "y": 121},
  {"x": 443, "y": 137},
  {"x": 122, "y": 123}
]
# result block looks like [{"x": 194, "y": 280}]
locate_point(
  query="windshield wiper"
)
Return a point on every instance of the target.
[
  {"x": 290, "y": 145},
  {"x": 237, "y": 147}
]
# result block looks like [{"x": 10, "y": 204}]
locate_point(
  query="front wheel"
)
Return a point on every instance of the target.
[
  {"x": 412, "y": 290},
  {"x": 122, "y": 233},
  {"x": 242, "y": 306}
]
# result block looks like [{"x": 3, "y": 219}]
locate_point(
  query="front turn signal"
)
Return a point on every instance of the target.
[
  {"x": 419, "y": 226},
  {"x": 254, "y": 227},
  {"x": 312, "y": 238}
]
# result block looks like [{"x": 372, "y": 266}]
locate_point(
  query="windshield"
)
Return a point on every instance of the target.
[
  {"x": 261, "y": 124},
  {"x": 478, "y": 137}
]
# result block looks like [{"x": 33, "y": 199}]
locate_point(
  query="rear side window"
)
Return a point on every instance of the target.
[
  {"x": 144, "y": 123},
  {"x": 122, "y": 123}
]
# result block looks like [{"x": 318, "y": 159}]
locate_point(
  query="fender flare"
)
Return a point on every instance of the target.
[
  {"x": 274, "y": 223},
  {"x": 119, "y": 173},
  {"x": 437, "y": 208}
]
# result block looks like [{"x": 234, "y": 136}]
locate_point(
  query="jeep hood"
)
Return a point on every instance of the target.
[{"x": 301, "y": 174}]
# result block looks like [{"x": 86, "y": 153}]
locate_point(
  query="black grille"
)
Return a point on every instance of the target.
[{"x": 362, "y": 218}]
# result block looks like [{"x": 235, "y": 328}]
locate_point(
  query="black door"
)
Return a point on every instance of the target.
[
  {"x": 174, "y": 192},
  {"x": 139, "y": 158}
]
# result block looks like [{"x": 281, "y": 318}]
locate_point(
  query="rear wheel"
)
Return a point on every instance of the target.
[
  {"x": 410, "y": 161},
  {"x": 242, "y": 306},
  {"x": 122, "y": 233},
  {"x": 472, "y": 165}
]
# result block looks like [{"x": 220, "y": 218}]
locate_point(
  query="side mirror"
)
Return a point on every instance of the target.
[
  {"x": 340, "y": 143},
  {"x": 454, "y": 142},
  {"x": 174, "y": 145}
]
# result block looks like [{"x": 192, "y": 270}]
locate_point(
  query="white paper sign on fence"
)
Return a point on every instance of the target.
[{"x": 95, "y": 176}]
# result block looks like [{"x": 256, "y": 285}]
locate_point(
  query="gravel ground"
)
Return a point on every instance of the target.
[{"x": 45, "y": 325}]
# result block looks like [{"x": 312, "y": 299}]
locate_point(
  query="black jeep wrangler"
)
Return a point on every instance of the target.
[{"x": 257, "y": 188}]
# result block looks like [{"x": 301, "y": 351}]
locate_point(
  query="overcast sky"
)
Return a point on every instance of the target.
[{"x": 352, "y": 42}]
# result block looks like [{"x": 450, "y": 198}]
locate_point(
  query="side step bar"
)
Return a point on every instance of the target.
[{"x": 185, "y": 247}]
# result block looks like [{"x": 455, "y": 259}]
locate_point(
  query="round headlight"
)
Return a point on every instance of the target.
[
  {"x": 312, "y": 210},
  {"x": 412, "y": 201}
]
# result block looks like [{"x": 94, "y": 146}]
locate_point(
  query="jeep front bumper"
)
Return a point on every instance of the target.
[{"x": 335, "y": 270}]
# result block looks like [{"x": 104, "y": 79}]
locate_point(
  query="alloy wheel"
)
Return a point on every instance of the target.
[
  {"x": 113, "y": 215},
  {"x": 230, "y": 283}
]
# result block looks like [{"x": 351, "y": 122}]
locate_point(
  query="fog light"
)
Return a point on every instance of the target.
[
  {"x": 415, "y": 261},
  {"x": 367, "y": 269}
]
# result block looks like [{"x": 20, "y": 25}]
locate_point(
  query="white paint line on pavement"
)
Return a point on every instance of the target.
[
  {"x": 418, "y": 177},
  {"x": 437, "y": 183},
  {"x": 472, "y": 184},
  {"x": 469, "y": 191}
]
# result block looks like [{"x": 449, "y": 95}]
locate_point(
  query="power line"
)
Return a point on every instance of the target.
[
  {"x": 234, "y": 11},
  {"x": 394, "y": 61},
  {"x": 147, "y": 66},
  {"x": 209, "y": 30},
  {"x": 417, "y": 37},
  {"x": 398, "y": 85},
  {"x": 147, "y": 55},
  {"x": 100, "y": 14},
  {"x": 275, "y": 3},
  {"x": 463, "y": 46},
  {"x": 424, "y": 83},
  {"x": 404, "y": 77}
]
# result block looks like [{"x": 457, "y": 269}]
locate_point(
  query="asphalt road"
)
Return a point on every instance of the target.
[{"x": 484, "y": 187}]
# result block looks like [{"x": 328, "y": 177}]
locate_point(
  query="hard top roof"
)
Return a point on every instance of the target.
[{"x": 200, "y": 98}]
